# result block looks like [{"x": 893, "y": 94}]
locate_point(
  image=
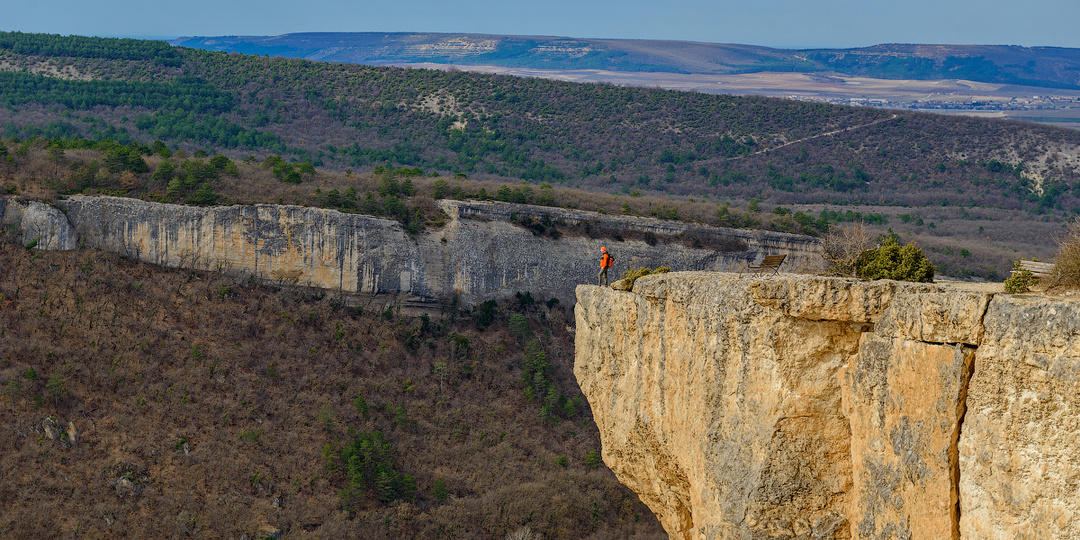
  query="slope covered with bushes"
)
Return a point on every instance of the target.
[
  {"x": 208, "y": 406},
  {"x": 601, "y": 136}
]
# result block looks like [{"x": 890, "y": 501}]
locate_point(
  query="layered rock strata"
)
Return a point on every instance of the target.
[
  {"x": 479, "y": 255},
  {"x": 805, "y": 407}
]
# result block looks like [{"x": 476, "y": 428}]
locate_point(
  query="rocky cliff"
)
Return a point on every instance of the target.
[
  {"x": 806, "y": 407},
  {"x": 483, "y": 252},
  {"x": 38, "y": 225}
]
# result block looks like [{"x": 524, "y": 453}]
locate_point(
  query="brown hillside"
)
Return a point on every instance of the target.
[{"x": 213, "y": 407}]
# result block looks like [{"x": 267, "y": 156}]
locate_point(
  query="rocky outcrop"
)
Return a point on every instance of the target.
[
  {"x": 806, "y": 407},
  {"x": 482, "y": 253},
  {"x": 289, "y": 244},
  {"x": 1019, "y": 465},
  {"x": 42, "y": 226},
  {"x": 486, "y": 255}
]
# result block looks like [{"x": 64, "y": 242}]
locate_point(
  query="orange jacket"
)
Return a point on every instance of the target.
[{"x": 607, "y": 261}]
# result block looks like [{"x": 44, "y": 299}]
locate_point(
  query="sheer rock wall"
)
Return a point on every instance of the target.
[
  {"x": 807, "y": 407},
  {"x": 39, "y": 225},
  {"x": 479, "y": 255}
]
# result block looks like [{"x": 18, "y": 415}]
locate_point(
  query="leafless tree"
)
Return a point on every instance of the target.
[{"x": 843, "y": 245}]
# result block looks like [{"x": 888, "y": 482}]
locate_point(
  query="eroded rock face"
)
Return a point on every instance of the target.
[
  {"x": 803, "y": 407},
  {"x": 486, "y": 256},
  {"x": 477, "y": 256},
  {"x": 1020, "y": 444},
  {"x": 291, "y": 244},
  {"x": 42, "y": 226},
  {"x": 722, "y": 414}
]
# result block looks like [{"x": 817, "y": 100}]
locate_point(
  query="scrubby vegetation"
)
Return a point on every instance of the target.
[
  {"x": 1067, "y": 261},
  {"x": 890, "y": 260},
  {"x": 842, "y": 248},
  {"x": 210, "y": 406},
  {"x": 1020, "y": 281},
  {"x": 628, "y": 278},
  {"x": 89, "y": 47},
  {"x": 961, "y": 241},
  {"x": 360, "y": 117},
  {"x": 47, "y": 168}
]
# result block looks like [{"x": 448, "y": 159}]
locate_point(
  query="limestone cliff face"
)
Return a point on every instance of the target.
[
  {"x": 41, "y": 225},
  {"x": 486, "y": 256},
  {"x": 291, "y": 244},
  {"x": 804, "y": 407},
  {"x": 1020, "y": 444},
  {"x": 479, "y": 255}
]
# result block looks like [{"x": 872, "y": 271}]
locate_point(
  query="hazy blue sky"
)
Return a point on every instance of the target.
[{"x": 777, "y": 23}]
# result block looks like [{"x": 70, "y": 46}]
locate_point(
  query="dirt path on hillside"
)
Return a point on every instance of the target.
[{"x": 826, "y": 134}]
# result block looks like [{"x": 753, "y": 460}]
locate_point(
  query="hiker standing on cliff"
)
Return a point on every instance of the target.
[{"x": 606, "y": 261}]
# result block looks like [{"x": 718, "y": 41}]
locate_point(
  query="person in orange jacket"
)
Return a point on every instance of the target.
[{"x": 606, "y": 261}]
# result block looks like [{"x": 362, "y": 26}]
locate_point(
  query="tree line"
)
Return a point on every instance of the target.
[{"x": 158, "y": 52}]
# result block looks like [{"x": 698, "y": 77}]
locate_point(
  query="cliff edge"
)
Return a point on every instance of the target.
[
  {"x": 485, "y": 250},
  {"x": 809, "y": 407}
]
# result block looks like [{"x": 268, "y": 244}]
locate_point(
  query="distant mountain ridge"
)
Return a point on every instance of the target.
[{"x": 1053, "y": 67}]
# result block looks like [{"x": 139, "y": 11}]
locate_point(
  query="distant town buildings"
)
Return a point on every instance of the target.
[{"x": 1033, "y": 103}]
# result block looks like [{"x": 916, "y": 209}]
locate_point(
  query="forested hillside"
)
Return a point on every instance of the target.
[
  {"x": 912, "y": 172},
  {"x": 613, "y": 138}
]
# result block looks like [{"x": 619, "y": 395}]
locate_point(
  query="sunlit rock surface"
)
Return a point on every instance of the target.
[
  {"x": 807, "y": 407},
  {"x": 481, "y": 253}
]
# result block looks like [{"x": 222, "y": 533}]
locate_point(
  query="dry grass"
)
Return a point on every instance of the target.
[{"x": 253, "y": 381}]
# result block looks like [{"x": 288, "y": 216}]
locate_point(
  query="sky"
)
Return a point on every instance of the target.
[{"x": 773, "y": 23}]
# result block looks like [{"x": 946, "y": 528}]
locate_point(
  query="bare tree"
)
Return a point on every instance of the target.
[
  {"x": 523, "y": 533},
  {"x": 842, "y": 246},
  {"x": 1066, "y": 271}
]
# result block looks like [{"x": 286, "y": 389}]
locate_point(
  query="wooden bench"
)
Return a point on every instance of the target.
[
  {"x": 1037, "y": 269},
  {"x": 770, "y": 262}
]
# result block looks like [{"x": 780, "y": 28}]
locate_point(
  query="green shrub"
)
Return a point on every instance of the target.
[
  {"x": 630, "y": 276},
  {"x": 13, "y": 390},
  {"x": 326, "y": 417},
  {"x": 55, "y": 385},
  {"x": 439, "y": 490},
  {"x": 361, "y": 406},
  {"x": 251, "y": 434},
  {"x": 519, "y": 327},
  {"x": 1021, "y": 281},
  {"x": 890, "y": 260},
  {"x": 593, "y": 460},
  {"x": 369, "y": 469},
  {"x": 485, "y": 313}
]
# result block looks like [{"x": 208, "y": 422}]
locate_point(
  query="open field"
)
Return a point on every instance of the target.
[
  {"x": 1060, "y": 107},
  {"x": 785, "y": 84}
]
